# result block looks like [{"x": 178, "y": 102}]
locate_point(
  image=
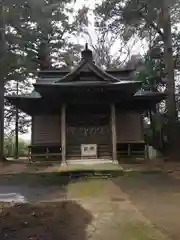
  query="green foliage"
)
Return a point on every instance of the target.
[
  {"x": 33, "y": 27},
  {"x": 150, "y": 20},
  {"x": 9, "y": 147},
  {"x": 135, "y": 17},
  {"x": 151, "y": 73},
  {"x": 142, "y": 18},
  {"x": 35, "y": 30}
]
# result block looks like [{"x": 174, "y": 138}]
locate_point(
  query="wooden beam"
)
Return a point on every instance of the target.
[
  {"x": 63, "y": 132},
  {"x": 113, "y": 127}
]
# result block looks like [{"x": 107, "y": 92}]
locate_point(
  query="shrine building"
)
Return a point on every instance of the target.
[{"x": 86, "y": 113}]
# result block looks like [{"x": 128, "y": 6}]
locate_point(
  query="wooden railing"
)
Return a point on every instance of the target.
[
  {"x": 44, "y": 152},
  {"x": 131, "y": 149}
]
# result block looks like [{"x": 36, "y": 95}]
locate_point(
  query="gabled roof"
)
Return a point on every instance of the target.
[
  {"x": 87, "y": 81},
  {"x": 87, "y": 65},
  {"x": 54, "y": 75}
]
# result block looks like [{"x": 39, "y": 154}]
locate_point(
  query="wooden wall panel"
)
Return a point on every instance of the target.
[
  {"x": 129, "y": 127},
  {"x": 84, "y": 127},
  {"x": 46, "y": 130}
]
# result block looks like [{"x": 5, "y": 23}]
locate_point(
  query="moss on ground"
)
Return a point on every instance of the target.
[{"x": 89, "y": 188}]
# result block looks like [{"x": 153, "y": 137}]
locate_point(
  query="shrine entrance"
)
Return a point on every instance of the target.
[{"x": 88, "y": 126}]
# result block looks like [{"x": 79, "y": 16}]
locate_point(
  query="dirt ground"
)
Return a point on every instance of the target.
[
  {"x": 93, "y": 209},
  {"x": 157, "y": 197},
  {"x": 21, "y": 167},
  {"x": 135, "y": 206},
  {"x": 156, "y": 164},
  {"x": 25, "y": 167}
]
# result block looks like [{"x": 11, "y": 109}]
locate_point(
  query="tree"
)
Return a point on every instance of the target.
[
  {"x": 9, "y": 146},
  {"x": 136, "y": 17},
  {"x": 2, "y": 59},
  {"x": 106, "y": 53},
  {"x": 32, "y": 28},
  {"x": 42, "y": 23},
  {"x": 109, "y": 50}
]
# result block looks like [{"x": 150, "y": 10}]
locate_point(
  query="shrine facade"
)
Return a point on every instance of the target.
[{"x": 87, "y": 112}]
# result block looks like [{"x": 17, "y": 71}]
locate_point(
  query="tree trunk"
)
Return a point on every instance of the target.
[
  {"x": 2, "y": 53},
  {"x": 17, "y": 127},
  {"x": 169, "y": 66},
  {"x": 1, "y": 119},
  {"x": 153, "y": 128}
]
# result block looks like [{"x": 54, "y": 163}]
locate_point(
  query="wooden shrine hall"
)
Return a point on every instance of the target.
[{"x": 87, "y": 112}]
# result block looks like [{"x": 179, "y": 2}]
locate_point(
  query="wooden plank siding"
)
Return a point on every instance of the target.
[
  {"x": 81, "y": 130},
  {"x": 129, "y": 127},
  {"x": 46, "y": 130},
  {"x": 130, "y": 135}
]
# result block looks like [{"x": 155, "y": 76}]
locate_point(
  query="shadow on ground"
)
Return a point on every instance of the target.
[
  {"x": 63, "y": 177},
  {"x": 35, "y": 187},
  {"x": 56, "y": 178},
  {"x": 64, "y": 220}
]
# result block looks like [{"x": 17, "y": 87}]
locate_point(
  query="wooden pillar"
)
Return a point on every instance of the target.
[
  {"x": 113, "y": 127},
  {"x": 32, "y": 130},
  {"x": 32, "y": 140},
  {"x": 63, "y": 132}
]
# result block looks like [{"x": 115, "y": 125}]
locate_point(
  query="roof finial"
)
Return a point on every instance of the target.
[{"x": 87, "y": 54}]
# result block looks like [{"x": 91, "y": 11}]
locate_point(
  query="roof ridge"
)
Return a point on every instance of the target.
[
  {"x": 105, "y": 74},
  {"x": 93, "y": 67},
  {"x": 75, "y": 71}
]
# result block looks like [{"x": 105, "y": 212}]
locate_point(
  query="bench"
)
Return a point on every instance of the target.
[{"x": 44, "y": 152}]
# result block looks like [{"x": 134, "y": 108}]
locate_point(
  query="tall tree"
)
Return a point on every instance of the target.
[
  {"x": 2, "y": 59},
  {"x": 106, "y": 52},
  {"x": 169, "y": 69},
  {"x": 17, "y": 126},
  {"x": 109, "y": 49},
  {"x": 135, "y": 18},
  {"x": 32, "y": 28}
]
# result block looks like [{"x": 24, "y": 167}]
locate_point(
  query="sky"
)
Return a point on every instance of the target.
[{"x": 138, "y": 48}]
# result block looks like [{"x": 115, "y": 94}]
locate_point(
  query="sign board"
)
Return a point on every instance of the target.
[{"x": 88, "y": 150}]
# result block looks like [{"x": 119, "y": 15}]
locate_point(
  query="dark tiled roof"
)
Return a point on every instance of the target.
[
  {"x": 86, "y": 70},
  {"x": 87, "y": 65}
]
